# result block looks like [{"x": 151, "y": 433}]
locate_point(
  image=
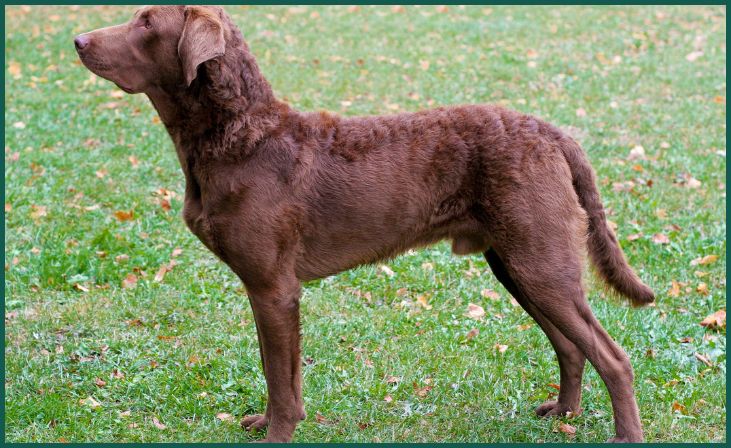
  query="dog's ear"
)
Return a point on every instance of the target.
[{"x": 202, "y": 40}]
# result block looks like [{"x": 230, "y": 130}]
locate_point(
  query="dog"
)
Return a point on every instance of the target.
[{"x": 283, "y": 197}]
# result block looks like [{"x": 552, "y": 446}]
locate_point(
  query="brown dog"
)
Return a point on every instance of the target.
[{"x": 283, "y": 197}]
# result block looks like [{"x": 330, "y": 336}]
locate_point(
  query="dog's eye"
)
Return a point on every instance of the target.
[{"x": 147, "y": 24}]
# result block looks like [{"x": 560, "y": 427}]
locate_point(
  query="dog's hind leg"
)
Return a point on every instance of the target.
[
  {"x": 548, "y": 277},
  {"x": 570, "y": 359}
]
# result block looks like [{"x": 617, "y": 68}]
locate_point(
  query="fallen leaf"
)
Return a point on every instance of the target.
[
  {"x": 117, "y": 374},
  {"x": 475, "y": 311},
  {"x": 634, "y": 236},
  {"x": 580, "y": 112},
  {"x": 674, "y": 290},
  {"x": 555, "y": 386},
  {"x": 660, "y": 238},
  {"x": 692, "y": 182},
  {"x": 157, "y": 423},
  {"x": 567, "y": 429},
  {"x": 8, "y": 207},
  {"x": 38, "y": 211},
  {"x": 708, "y": 259},
  {"x": 165, "y": 268},
  {"x": 693, "y": 55},
  {"x": 224, "y": 417},
  {"x": 636, "y": 153},
  {"x": 90, "y": 401},
  {"x": 386, "y": 270},
  {"x": 490, "y": 294},
  {"x": 424, "y": 64},
  {"x": 716, "y": 320},
  {"x": 501, "y": 348},
  {"x": 126, "y": 413},
  {"x": 421, "y": 300},
  {"x": 703, "y": 359},
  {"x": 122, "y": 215},
  {"x": 524, "y": 327},
  {"x": 321, "y": 419},
  {"x": 702, "y": 289},
  {"x": 442, "y": 8},
  {"x": 134, "y": 161},
  {"x": 19, "y": 125},
  {"x": 388, "y": 398},
  {"x": 130, "y": 281},
  {"x": 165, "y": 205},
  {"x": 421, "y": 391},
  {"x": 100, "y": 382},
  {"x": 472, "y": 333},
  {"x": 177, "y": 251}
]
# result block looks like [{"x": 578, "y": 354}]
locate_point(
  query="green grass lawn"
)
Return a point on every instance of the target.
[{"x": 97, "y": 349}]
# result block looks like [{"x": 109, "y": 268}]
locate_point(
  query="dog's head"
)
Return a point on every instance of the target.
[{"x": 159, "y": 46}]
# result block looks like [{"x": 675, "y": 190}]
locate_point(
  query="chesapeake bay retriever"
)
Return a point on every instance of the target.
[{"x": 283, "y": 196}]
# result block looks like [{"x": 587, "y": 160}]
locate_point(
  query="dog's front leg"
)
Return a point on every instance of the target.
[{"x": 276, "y": 311}]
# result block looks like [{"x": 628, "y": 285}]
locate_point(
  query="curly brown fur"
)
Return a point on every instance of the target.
[{"x": 283, "y": 197}]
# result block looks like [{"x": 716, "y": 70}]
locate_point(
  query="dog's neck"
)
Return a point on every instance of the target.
[{"x": 225, "y": 112}]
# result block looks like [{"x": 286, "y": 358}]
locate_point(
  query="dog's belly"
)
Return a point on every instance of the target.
[{"x": 326, "y": 252}]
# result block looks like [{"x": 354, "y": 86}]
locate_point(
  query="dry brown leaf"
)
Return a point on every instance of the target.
[
  {"x": 129, "y": 282},
  {"x": 134, "y": 161},
  {"x": 703, "y": 359},
  {"x": 224, "y": 417},
  {"x": 38, "y": 211},
  {"x": 702, "y": 289},
  {"x": 636, "y": 153},
  {"x": 634, "y": 236},
  {"x": 472, "y": 333},
  {"x": 674, "y": 290},
  {"x": 677, "y": 407},
  {"x": 708, "y": 259},
  {"x": 442, "y": 8},
  {"x": 165, "y": 205},
  {"x": 393, "y": 379},
  {"x": 158, "y": 424},
  {"x": 501, "y": 348},
  {"x": 421, "y": 391},
  {"x": 475, "y": 311},
  {"x": 386, "y": 270},
  {"x": 490, "y": 294},
  {"x": 388, "y": 398},
  {"x": 100, "y": 382},
  {"x": 321, "y": 419},
  {"x": 421, "y": 300},
  {"x": 177, "y": 251},
  {"x": 117, "y": 374},
  {"x": 567, "y": 429},
  {"x": 716, "y": 320},
  {"x": 660, "y": 238},
  {"x": 8, "y": 207},
  {"x": 122, "y": 215},
  {"x": 90, "y": 401}
]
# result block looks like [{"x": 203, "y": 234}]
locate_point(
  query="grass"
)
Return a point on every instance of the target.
[{"x": 185, "y": 348}]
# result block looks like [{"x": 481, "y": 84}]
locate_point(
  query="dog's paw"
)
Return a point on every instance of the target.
[
  {"x": 554, "y": 408},
  {"x": 631, "y": 439},
  {"x": 254, "y": 422}
]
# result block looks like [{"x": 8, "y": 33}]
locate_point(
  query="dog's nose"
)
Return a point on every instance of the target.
[{"x": 81, "y": 41}]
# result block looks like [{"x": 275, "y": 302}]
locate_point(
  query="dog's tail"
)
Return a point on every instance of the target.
[{"x": 604, "y": 251}]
